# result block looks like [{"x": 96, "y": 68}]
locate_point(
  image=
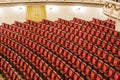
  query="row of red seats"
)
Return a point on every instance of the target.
[
  {"x": 65, "y": 42},
  {"x": 56, "y": 44},
  {"x": 41, "y": 42},
  {"x": 7, "y": 70},
  {"x": 89, "y": 37},
  {"x": 97, "y": 34},
  {"x": 88, "y": 33},
  {"x": 67, "y": 22},
  {"x": 74, "y": 47},
  {"x": 103, "y": 36},
  {"x": 18, "y": 63},
  {"x": 24, "y": 40},
  {"x": 110, "y": 21},
  {"x": 44, "y": 35},
  {"x": 96, "y": 21},
  {"x": 29, "y": 45},
  {"x": 70, "y": 74},
  {"x": 97, "y": 27},
  {"x": 82, "y": 21},
  {"x": 104, "y": 44},
  {"x": 31, "y": 58},
  {"x": 75, "y": 24},
  {"x": 101, "y": 28},
  {"x": 104, "y": 23},
  {"x": 118, "y": 44}
]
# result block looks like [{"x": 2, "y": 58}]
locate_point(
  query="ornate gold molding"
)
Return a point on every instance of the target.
[
  {"x": 109, "y": 5},
  {"x": 112, "y": 9}
]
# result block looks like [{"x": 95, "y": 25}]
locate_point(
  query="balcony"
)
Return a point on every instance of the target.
[{"x": 52, "y": 1}]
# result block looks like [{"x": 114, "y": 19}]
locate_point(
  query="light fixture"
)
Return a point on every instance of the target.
[
  {"x": 50, "y": 8},
  {"x": 0, "y": 10},
  {"x": 78, "y": 8},
  {"x": 20, "y": 8}
]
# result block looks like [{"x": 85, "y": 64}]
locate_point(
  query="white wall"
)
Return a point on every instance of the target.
[
  {"x": 11, "y": 14},
  {"x": 68, "y": 12}
]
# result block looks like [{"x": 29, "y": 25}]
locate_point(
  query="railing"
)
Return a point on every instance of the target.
[
  {"x": 112, "y": 8},
  {"x": 82, "y": 1}
]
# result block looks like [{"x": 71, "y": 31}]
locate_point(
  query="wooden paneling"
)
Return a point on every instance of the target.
[{"x": 36, "y": 13}]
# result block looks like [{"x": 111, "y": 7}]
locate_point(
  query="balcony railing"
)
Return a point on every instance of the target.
[
  {"x": 65, "y": 1},
  {"x": 112, "y": 8}
]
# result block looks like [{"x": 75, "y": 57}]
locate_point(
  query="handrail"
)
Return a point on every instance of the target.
[
  {"x": 65, "y": 1},
  {"x": 113, "y": 2}
]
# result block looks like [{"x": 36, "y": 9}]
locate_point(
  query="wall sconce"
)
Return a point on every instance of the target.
[
  {"x": 20, "y": 8},
  {"x": 50, "y": 8},
  {"x": 78, "y": 8}
]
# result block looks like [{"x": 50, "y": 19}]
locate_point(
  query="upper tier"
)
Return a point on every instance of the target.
[{"x": 112, "y": 8}]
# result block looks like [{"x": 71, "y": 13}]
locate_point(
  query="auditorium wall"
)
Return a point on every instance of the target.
[
  {"x": 68, "y": 12},
  {"x": 10, "y": 14}
]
